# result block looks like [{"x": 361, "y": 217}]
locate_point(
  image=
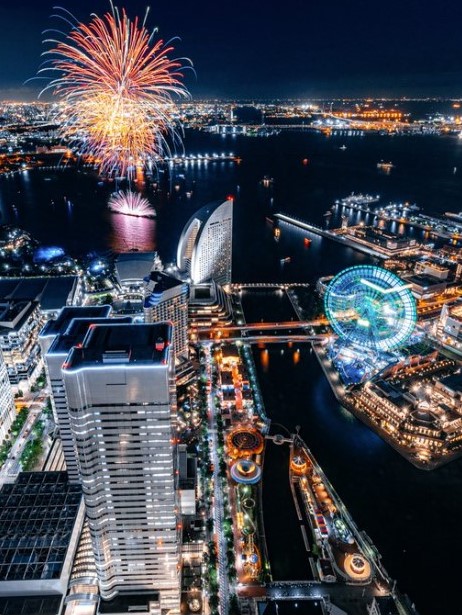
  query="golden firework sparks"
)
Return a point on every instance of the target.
[{"x": 119, "y": 85}]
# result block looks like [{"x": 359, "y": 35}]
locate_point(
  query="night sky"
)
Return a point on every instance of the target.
[{"x": 257, "y": 49}]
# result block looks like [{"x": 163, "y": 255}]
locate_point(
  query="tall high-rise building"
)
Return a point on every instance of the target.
[
  {"x": 7, "y": 409},
  {"x": 166, "y": 299},
  {"x": 205, "y": 248},
  {"x": 122, "y": 405},
  {"x": 56, "y": 339},
  {"x": 20, "y": 323}
]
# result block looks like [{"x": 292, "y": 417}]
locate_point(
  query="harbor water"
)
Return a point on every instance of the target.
[{"x": 412, "y": 516}]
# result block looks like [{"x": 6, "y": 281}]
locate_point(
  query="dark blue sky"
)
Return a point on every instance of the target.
[{"x": 255, "y": 48}]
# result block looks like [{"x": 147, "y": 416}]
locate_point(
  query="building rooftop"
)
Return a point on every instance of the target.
[
  {"x": 60, "y": 324},
  {"x": 425, "y": 281},
  {"x": 128, "y": 603},
  {"x": 13, "y": 315},
  {"x": 51, "y": 293},
  {"x": 77, "y": 330},
  {"x": 37, "y": 516},
  {"x": 157, "y": 283},
  {"x": 202, "y": 293},
  {"x": 455, "y": 311},
  {"x": 122, "y": 344},
  {"x": 453, "y": 382},
  {"x": 134, "y": 266}
]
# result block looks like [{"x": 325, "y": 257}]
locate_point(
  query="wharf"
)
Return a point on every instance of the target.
[
  {"x": 339, "y": 392},
  {"x": 345, "y": 241}
]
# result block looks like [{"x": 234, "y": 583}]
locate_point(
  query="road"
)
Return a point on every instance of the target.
[
  {"x": 218, "y": 505},
  {"x": 12, "y": 467}
]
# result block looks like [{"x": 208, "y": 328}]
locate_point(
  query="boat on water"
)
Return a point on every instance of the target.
[
  {"x": 267, "y": 181},
  {"x": 343, "y": 147},
  {"x": 133, "y": 214},
  {"x": 453, "y": 216},
  {"x": 385, "y": 166},
  {"x": 285, "y": 260}
]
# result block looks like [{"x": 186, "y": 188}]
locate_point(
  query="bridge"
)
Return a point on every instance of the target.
[
  {"x": 266, "y": 326},
  {"x": 278, "y": 339},
  {"x": 269, "y": 332},
  {"x": 279, "y": 439},
  {"x": 270, "y": 285},
  {"x": 315, "y": 590}
]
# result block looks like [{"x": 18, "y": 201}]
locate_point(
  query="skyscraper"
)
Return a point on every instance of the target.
[
  {"x": 121, "y": 396},
  {"x": 166, "y": 298},
  {"x": 7, "y": 410},
  {"x": 205, "y": 247},
  {"x": 56, "y": 339},
  {"x": 20, "y": 323}
]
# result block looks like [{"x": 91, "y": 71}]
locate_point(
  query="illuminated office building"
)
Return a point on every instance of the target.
[
  {"x": 20, "y": 323},
  {"x": 7, "y": 409},
  {"x": 166, "y": 299},
  {"x": 56, "y": 340},
  {"x": 120, "y": 390}
]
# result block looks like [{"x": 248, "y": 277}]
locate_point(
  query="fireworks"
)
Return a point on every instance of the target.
[
  {"x": 119, "y": 86},
  {"x": 131, "y": 204}
]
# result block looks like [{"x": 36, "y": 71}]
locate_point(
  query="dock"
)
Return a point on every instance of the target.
[{"x": 345, "y": 241}]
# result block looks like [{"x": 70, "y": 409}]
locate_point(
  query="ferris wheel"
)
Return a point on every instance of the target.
[{"x": 370, "y": 307}]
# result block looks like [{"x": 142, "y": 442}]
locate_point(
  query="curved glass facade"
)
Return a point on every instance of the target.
[{"x": 205, "y": 246}]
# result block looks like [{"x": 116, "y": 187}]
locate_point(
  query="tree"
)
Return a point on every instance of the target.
[{"x": 234, "y": 606}]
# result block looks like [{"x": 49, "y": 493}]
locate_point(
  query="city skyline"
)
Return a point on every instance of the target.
[
  {"x": 401, "y": 49},
  {"x": 231, "y": 323}
]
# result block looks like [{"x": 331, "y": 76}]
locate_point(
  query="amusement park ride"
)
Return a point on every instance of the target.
[{"x": 373, "y": 313}]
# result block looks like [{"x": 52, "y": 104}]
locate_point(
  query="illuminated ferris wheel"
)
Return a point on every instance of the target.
[{"x": 370, "y": 307}]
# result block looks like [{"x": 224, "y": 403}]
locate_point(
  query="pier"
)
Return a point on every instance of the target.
[
  {"x": 402, "y": 214},
  {"x": 306, "y": 226},
  {"x": 345, "y": 565}
]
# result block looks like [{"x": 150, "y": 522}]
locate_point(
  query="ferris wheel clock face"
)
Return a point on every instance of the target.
[{"x": 371, "y": 307}]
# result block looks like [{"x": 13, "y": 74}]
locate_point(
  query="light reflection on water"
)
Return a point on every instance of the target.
[{"x": 131, "y": 233}]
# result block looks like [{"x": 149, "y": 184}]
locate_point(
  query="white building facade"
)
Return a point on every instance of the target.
[
  {"x": 122, "y": 408},
  {"x": 56, "y": 340},
  {"x": 20, "y": 323},
  {"x": 7, "y": 408},
  {"x": 205, "y": 247},
  {"x": 166, "y": 299}
]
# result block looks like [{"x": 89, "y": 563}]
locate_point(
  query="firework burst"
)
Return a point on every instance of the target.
[
  {"x": 119, "y": 85},
  {"x": 131, "y": 204}
]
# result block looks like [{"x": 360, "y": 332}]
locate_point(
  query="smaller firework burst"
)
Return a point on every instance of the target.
[{"x": 131, "y": 203}]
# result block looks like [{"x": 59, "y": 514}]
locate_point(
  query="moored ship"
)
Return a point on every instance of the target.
[{"x": 453, "y": 216}]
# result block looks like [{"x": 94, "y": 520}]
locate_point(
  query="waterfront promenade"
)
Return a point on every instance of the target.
[{"x": 340, "y": 394}]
